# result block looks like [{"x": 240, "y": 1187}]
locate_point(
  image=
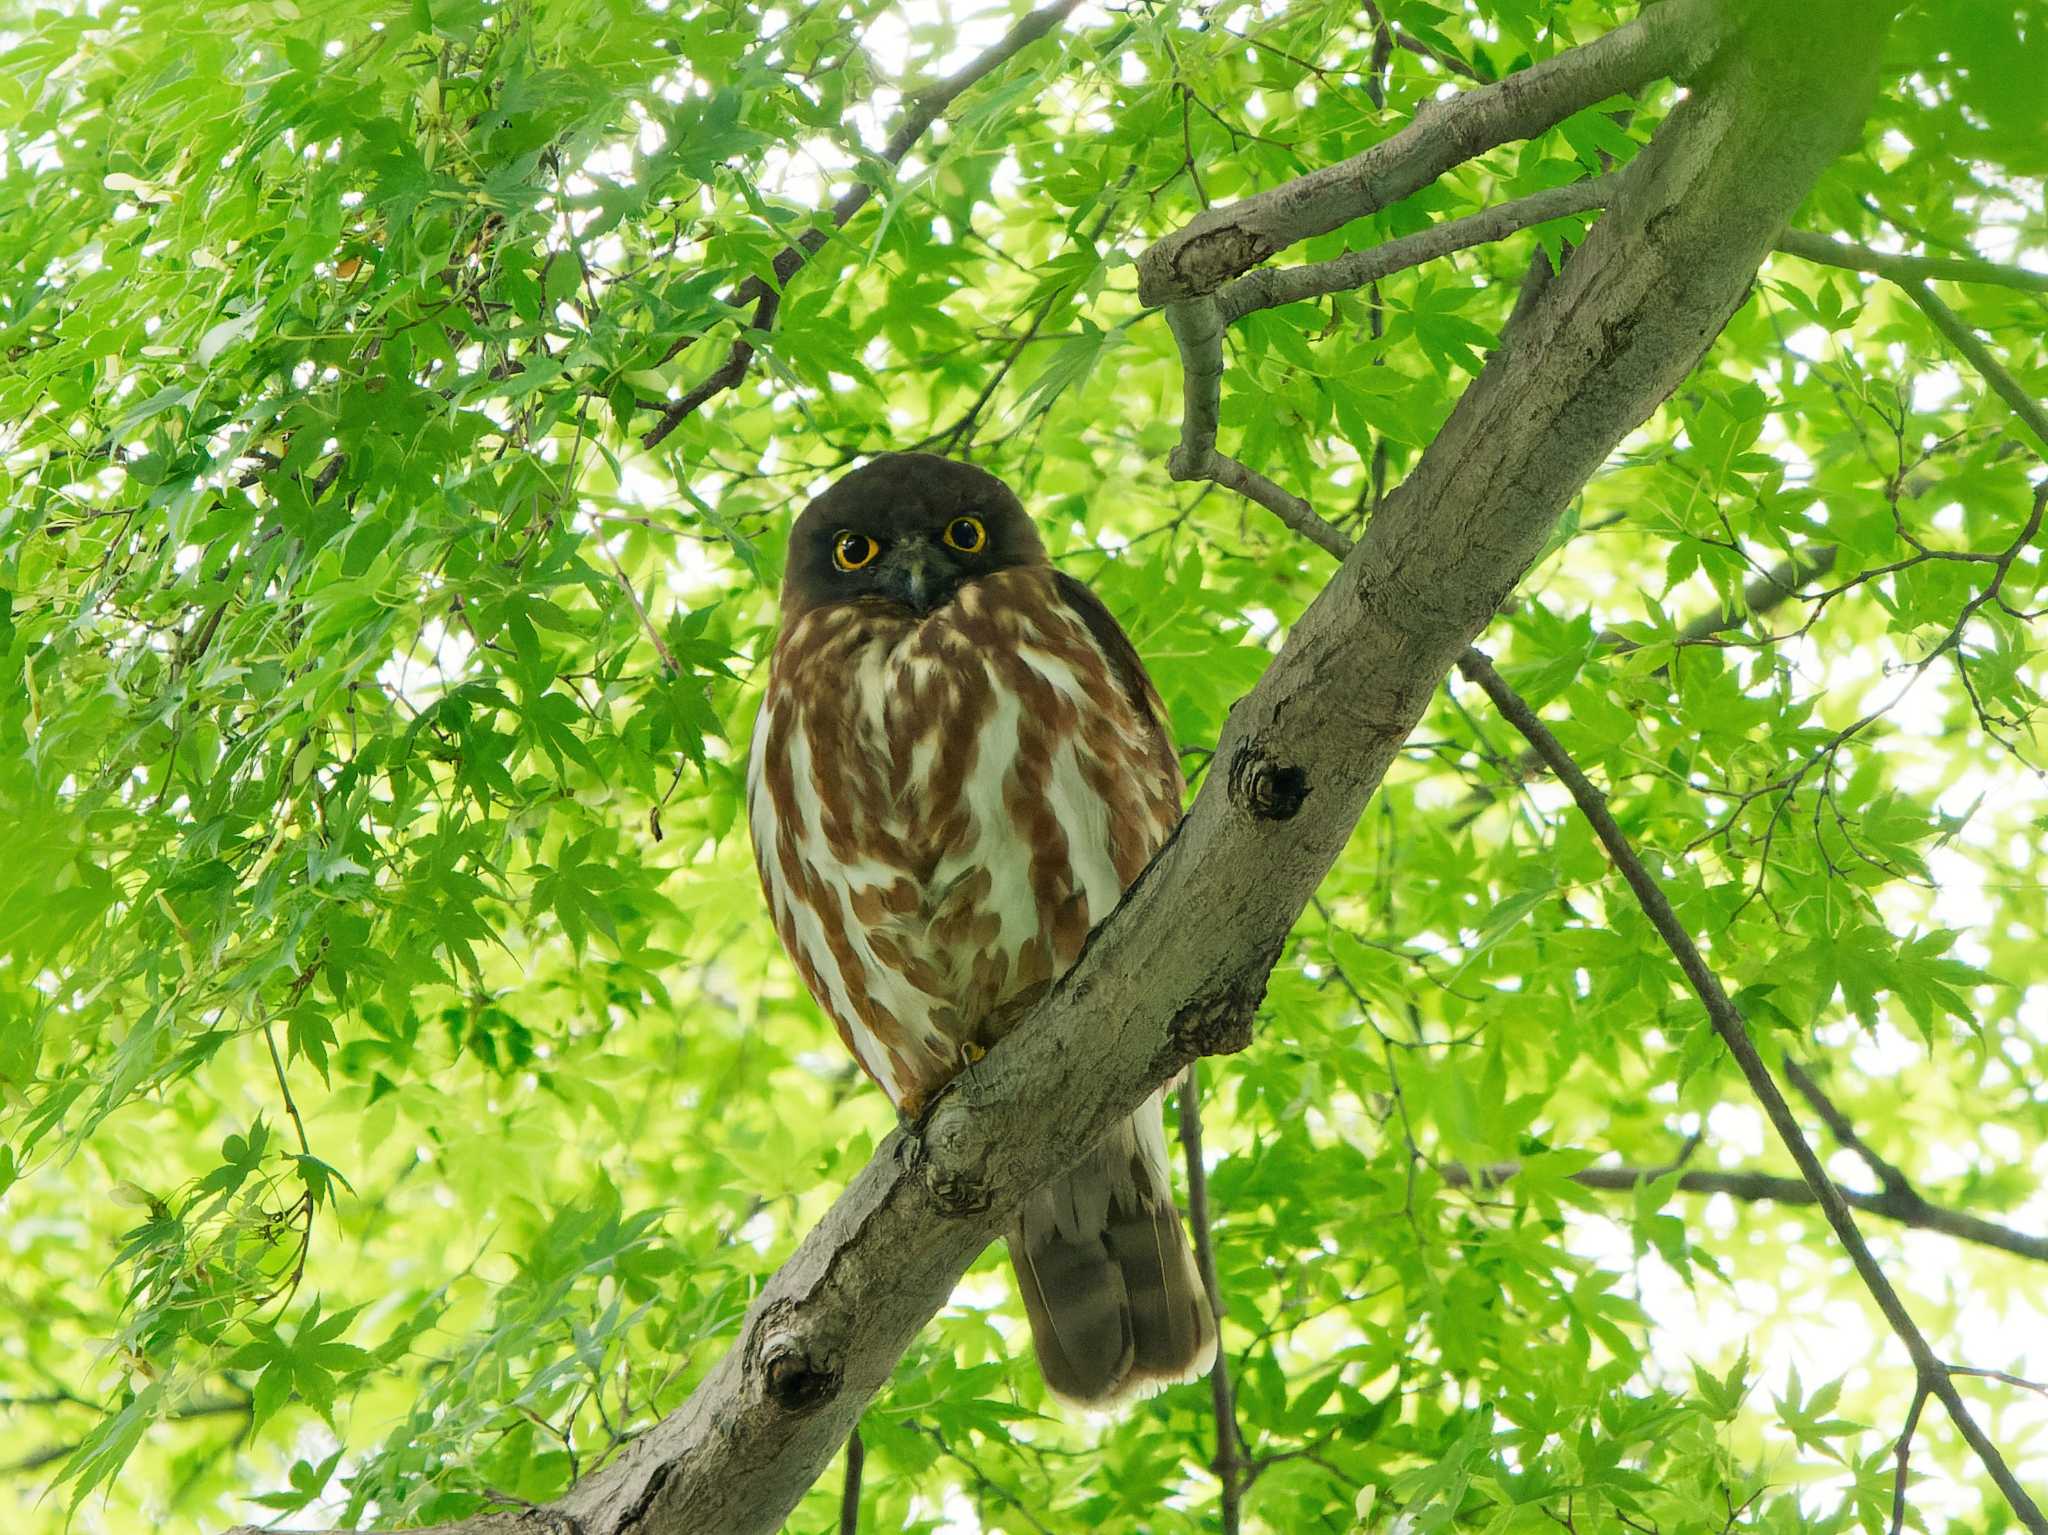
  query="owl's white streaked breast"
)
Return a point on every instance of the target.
[{"x": 941, "y": 841}]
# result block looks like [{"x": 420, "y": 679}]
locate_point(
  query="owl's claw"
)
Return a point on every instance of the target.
[{"x": 970, "y": 1052}]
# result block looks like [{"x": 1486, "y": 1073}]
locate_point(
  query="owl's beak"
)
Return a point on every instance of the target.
[{"x": 917, "y": 575}]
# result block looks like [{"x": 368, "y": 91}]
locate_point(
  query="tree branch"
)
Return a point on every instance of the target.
[
  {"x": 1994, "y": 373},
  {"x": 1903, "y": 270},
  {"x": 1889, "y": 1178},
  {"x": 49, "y": 1454},
  {"x": 1198, "y": 325},
  {"x": 1229, "y": 1463},
  {"x": 849, "y": 1494},
  {"x": 1904, "y": 1452},
  {"x": 1669, "y": 39},
  {"x": 1931, "y": 1374},
  {"x": 923, "y": 109},
  {"x": 1273, "y": 286},
  {"x": 1754, "y": 1186}
]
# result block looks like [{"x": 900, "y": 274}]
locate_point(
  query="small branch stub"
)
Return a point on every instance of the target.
[
  {"x": 1221, "y": 1022},
  {"x": 943, "y": 1150},
  {"x": 1264, "y": 789},
  {"x": 957, "y": 1193},
  {"x": 795, "y": 1381}
]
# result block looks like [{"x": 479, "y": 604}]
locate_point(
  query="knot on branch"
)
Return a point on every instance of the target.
[
  {"x": 1212, "y": 249},
  {"x": 953, "y": 1173},
  {"x": 794, "y": 1377},
  {"x": 957, "y": 1193},
  {"x": 1264, "y": 789},
  {"x": 1220, "y": 1022}
]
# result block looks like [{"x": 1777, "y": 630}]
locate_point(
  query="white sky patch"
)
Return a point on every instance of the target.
[{"x": 1935, "y": 387}]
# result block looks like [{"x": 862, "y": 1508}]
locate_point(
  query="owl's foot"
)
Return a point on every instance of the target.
[{"x": 970, "y": 1052}]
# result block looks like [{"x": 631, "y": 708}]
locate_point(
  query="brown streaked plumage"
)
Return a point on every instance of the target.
[{"x": 959, "y": 766}]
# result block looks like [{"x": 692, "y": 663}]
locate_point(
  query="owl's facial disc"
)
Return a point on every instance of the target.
[
  {"x": 909, "y": 531},
  {"x": 917, "y": 573}
]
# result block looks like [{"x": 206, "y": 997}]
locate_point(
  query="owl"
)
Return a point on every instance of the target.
[{"x": 960, "y": 764}]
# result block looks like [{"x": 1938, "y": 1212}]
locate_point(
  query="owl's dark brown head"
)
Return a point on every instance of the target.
[{"x": 905, "y": 529}]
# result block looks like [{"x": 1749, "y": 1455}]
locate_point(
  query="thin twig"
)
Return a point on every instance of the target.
[
  {"x": 283, "y": 1086},
  {"x": 1905, "y": 1452},
  {"x": 849, "y": 1496},
  {"x": 1824, "y": 251},
  {"x": 2000, "y": 1376},
  {"x": 1752, "y": 1186},
  {"x": 661, "y": 649},
  {"x": 1229, "y": 1462},
  {"x": 35, "y": 1460},
  {"x": 1888, "y": 1176},
  {"x": 962, "y": 430}
]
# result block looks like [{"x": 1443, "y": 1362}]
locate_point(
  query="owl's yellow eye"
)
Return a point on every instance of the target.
[
  {"x": 966, "y": 534},
  {"x": 850, "y": 551}
]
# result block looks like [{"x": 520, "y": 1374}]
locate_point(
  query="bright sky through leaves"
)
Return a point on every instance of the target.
[{"x": 402, "y": 1091}]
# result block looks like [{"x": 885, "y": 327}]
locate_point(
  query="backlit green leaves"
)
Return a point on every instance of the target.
[{"x": 372, "y": 710}]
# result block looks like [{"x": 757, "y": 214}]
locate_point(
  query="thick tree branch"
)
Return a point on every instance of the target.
[
  {"x": 1673, "y": 38},
  {"x": 1931, "y": 1374},
  {"x": 1180, "y": 967},
  {"x": 922, "y": 110},
  {"x": 1752, "y": 1186}
]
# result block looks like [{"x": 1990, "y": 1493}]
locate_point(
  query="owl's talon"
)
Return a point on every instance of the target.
[{"x": 970, "y": 1052}]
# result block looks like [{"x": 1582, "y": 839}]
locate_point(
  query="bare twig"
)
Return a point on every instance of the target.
[
  {"x": 1229, "y": 1463},
  {"x": 1905, "y": 1452},
  {"x": 1931, "y": 1374},
  {"x": 661, "y": 649},
  {"x": 1825, "y": 251},
  {"x": 849, "y": 1496},
  {"x": 1753, "y": 1186},
  {"x": 2001, "y": 1377},
  {"x": 284, "y": 1086},
  {"x": 1889, "y": 1178}
]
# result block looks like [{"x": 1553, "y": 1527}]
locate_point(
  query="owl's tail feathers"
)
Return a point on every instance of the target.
[{"x": 1117, "y": 1307}]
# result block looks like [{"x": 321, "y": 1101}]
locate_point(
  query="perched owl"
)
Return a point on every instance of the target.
[{"x": 959, "y": 765}]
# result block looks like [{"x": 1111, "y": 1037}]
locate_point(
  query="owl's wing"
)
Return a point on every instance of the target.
[{"x": 1129, "y": 671}]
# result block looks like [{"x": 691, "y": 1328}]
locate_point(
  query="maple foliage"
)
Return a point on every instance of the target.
[{"x": 401, "y": 1090}]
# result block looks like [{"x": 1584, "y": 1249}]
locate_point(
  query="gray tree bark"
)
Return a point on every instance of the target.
[{"x": 1179, "y": 969}]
